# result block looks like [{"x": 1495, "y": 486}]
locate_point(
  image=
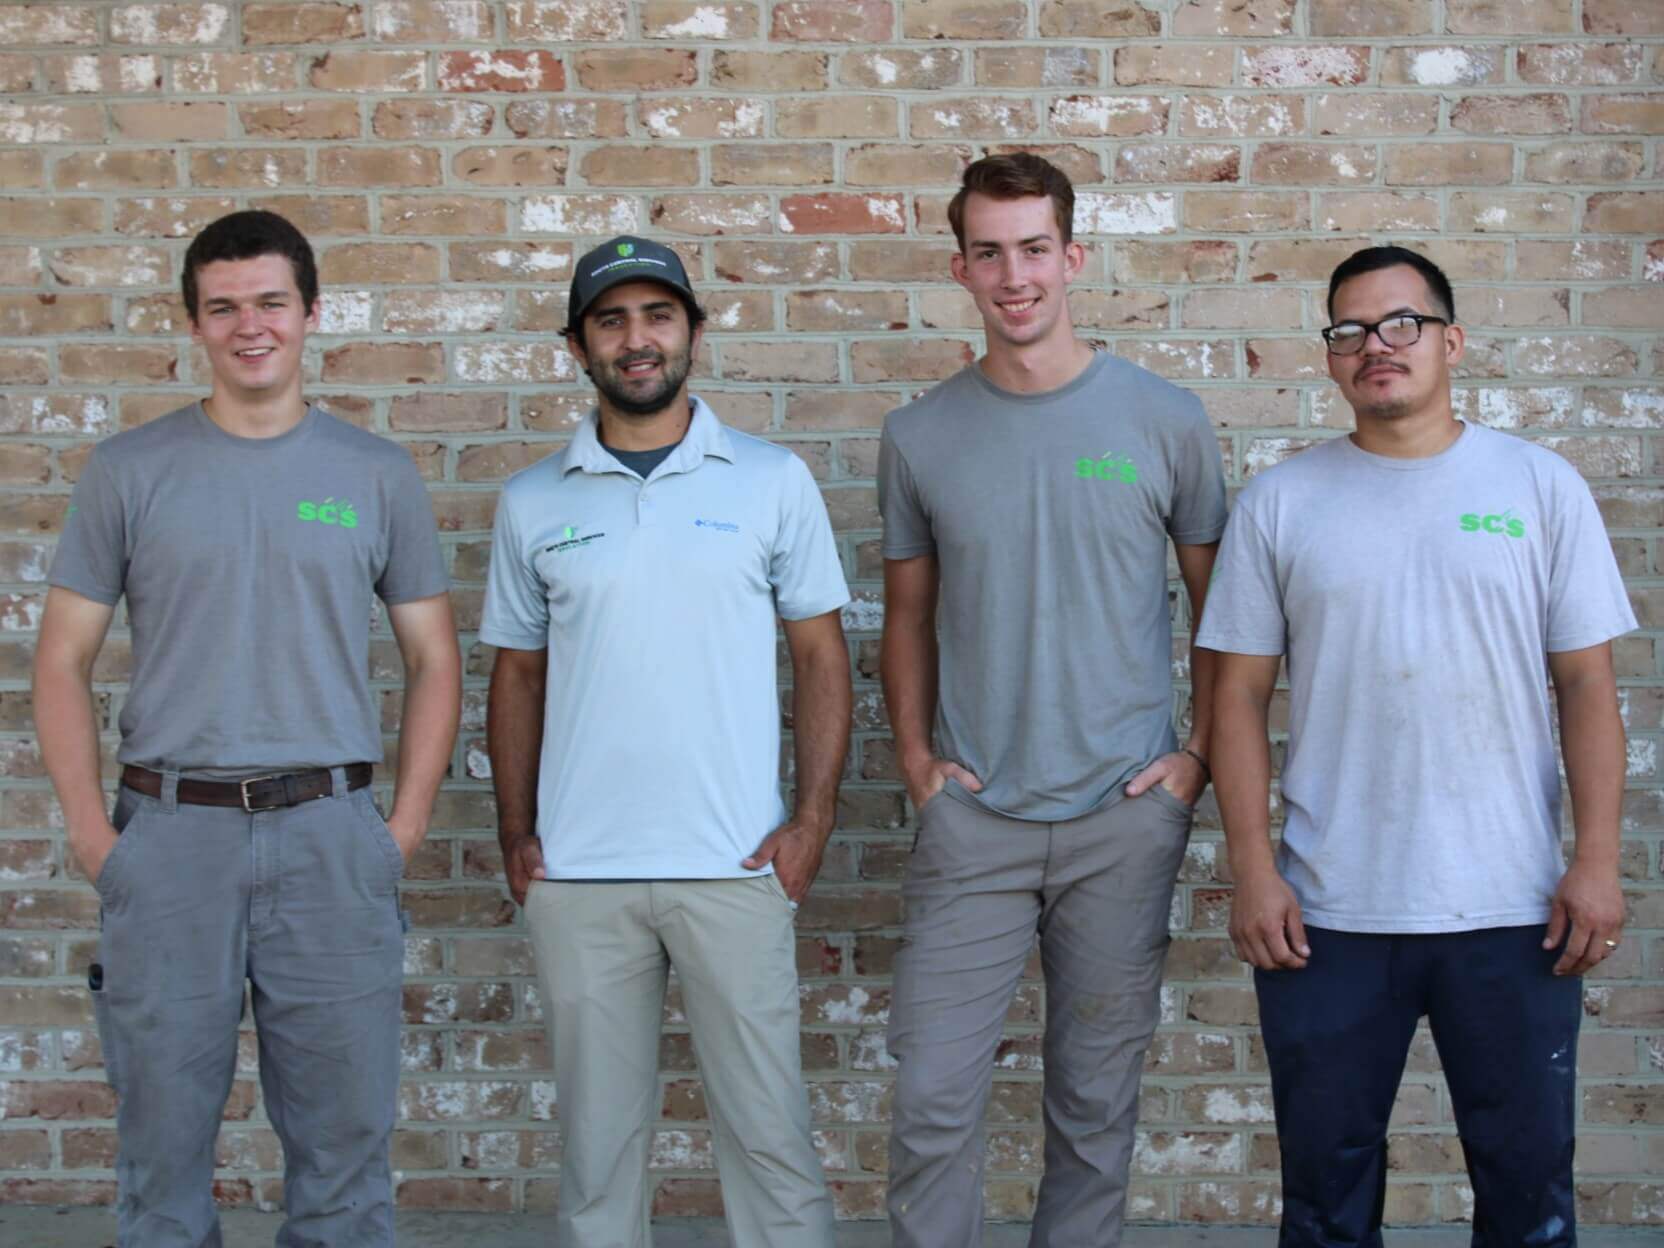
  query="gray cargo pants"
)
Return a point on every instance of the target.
[
  {"x": 979, "y": 886},
  {"x": 302, "y": 904}
]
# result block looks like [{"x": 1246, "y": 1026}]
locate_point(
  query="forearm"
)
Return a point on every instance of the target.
[
  {"x": 514, "y": 741},
  {"x": 67, "y": 728},
  {"x": 1241, "y": 761},
  {"x": 1592, "y": 741},
  {"x": 821, "y": 701},
  {"x": 1202, "y": 667},
  {"x": 907, "y": 668},
  {"x": 427, "y": 733}
]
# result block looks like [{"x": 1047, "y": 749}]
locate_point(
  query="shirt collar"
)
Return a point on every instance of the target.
[{"x": 705, "y": 436}]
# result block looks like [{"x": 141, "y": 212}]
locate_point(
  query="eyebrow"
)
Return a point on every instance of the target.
[
  {"x": 264, "y": 294},
  {"x": 1021, "y": 242},
  {"x": 645, "y": 307}
]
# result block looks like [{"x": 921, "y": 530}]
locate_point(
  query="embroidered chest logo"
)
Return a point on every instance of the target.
[
  {"x": 327, "y": 512},
  {"x": 1107, "y": 467},
  {"x": 571, "y": 540},
  {"x": 1507, "y": 522},
  {"x": 721, "y": 526}
]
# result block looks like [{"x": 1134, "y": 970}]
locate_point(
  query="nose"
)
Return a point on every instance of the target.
[
  {"x": 248, "y": 319},
  {"x": 635, "y": 333},
  {"x": 1008, "y": 269}
]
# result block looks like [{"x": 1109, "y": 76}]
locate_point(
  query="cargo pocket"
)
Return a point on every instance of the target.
[{"x": 381, "y": 835}]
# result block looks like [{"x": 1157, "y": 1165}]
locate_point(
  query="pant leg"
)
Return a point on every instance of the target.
[
  {"x": 1103, "y": 940},
  {"x": 1336, "y": 1036},
  {"x": 734, "y": 950},
  {"x": 326, "y": 957},
  {"x": 601, "y": 971},
  {"x": 171, "y": 953},
  {"x": 1506, "y": 1030},
  {"x": 973, "y": 904}
]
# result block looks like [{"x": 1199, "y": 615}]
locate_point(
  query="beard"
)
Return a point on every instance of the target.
[
  {"x": 635, "y": 398},
  {"x": 1386, "y": 409}
]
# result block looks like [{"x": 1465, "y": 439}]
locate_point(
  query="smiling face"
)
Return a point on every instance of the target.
[
  {"x": 1017, "y": 268},
  {"x": 252, "y": 322},
  {"x": 637, "y": 347},
  {"x": 1386, "y": 383}
]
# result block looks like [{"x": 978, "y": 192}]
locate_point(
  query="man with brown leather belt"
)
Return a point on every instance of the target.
[{"x": 248, "y": 534}]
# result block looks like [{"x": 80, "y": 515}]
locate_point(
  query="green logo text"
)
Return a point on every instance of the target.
[
  {"x": 1474, "y": 522},
  {"x": 328, "y": 512},
  {"x": 1107, "y": 467}
]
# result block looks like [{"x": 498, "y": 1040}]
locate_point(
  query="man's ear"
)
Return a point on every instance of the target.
[
  {"x": 1455, "y": 344},
  {"x": 576, "y": 350}
]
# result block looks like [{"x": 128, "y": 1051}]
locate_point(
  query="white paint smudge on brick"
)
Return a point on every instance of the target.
[
  {"x": 461, "y": 17},
  {"x": 862, "y": 616},
  {"x": 1301, "y": 67},
  {"x": 84, "y": 74},
  {"x": 1642, "y": 758},
  {"x": 578, "y": 214},
  {"x": 1654, "y": 268},
  {"x": 23, "y": 124},
  {"x": 884, "y": 69},
  {"x": 1447, "y": 67},
  {"x": 1183, "y": 1152},
  {"x": 141, "y": 23},
  {"x": 888, "y": 210},
  {"x": 1098, "y": 112},
  {"x": 19, "y": 613},
  {"x": 478, "y": 763},
  {"x": 543, "y": 1100},
  {"x": 705, "y": 22},
  {"x": 457, "y": 312},
  {"x": 344, "y": 312},
  {"x": 1148, "y": 213},
  {"x": 94, "y": 416}
]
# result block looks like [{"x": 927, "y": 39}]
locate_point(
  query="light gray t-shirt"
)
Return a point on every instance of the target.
[
  {"x": 1417, "y": 600},
  {"x": 658, "y": 600},
  {"x": 248, "y": 565},
  {"x": 1049, "y": 515}
]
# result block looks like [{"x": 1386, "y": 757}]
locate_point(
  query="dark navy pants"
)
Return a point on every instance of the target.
[{"x": 1336, "y": 1036}]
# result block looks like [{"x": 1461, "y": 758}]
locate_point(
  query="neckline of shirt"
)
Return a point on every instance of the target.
[{"x": 1419, "y": 463}]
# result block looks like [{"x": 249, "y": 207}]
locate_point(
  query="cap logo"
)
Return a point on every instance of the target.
[{"x": 626, "y": 249}]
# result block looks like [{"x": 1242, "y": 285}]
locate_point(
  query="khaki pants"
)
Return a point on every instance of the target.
[
  {"x": 979, "y": 886},
  {"x": 603, "y": 955}
]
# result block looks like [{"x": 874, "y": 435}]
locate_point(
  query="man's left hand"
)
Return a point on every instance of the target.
[
  {"x": 795, "y": 850},
  {"x": 1178, "y": 773},
  {"x": 407, "y": 836},
  {"x": 1590, "y": 903}
]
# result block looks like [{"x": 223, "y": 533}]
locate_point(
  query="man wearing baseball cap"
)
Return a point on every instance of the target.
[{"x": 636, "y": 579}]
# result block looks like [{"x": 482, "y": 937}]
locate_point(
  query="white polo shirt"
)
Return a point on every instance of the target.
[{"x": 657, "y": 601}]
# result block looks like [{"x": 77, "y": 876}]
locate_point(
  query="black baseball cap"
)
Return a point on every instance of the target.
[{"x": 626, "y": 259}]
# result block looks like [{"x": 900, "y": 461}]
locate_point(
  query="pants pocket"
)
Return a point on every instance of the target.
[{"x": 380, "y": 834}]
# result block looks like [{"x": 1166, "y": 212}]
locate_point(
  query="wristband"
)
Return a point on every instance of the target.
[{"x": 1207, "y": 772}]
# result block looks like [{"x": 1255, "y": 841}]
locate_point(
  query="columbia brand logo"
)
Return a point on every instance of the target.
[
  {"x": 721, "y": 526},
  {"x": 1506, "y": 522},
  {"x": 1107, "y": 467},
  {"x": 327, "y": 512}
]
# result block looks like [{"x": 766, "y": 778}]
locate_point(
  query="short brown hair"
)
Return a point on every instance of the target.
[{"x": 1019, "y": 175}]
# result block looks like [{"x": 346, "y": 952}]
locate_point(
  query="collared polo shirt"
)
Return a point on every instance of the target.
[{"x": 657, "y": 601}]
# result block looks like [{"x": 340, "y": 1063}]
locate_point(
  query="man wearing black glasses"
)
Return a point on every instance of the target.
[{"x": 1421, "y": 576}]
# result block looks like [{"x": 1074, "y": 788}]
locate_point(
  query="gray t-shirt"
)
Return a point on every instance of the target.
[
  {"x": 1049, "y": 516},
  {"x": 1416, "y": 600},
  {"x": 248, "y": 565}
]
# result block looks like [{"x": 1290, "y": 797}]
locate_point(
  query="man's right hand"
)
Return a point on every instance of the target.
[
  {"x": 92, "y": 848},
  {"x": 926, "y": 777},
  {"x": 1266, "y": 930},
  {"x": 523, "y": 863}
]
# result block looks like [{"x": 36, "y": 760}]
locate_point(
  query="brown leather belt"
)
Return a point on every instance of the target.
[{"x": 256, "y": 793}]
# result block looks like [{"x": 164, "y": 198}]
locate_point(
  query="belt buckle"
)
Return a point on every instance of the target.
[{"x": 242, "y": 787}]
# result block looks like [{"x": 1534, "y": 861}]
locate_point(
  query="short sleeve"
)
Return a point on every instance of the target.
[
  {"x": 803, "y": 567},
  {"x": 1198, "y": 512},
  {"x": 415, "y": 567},
  {"x": 1243, "y": 613},
  {"x": 907, "y": 532},
  {"x": 1587, "y": 603},
  {"x": 92, "y": 551},
  {"x": 516, "y": 614}
]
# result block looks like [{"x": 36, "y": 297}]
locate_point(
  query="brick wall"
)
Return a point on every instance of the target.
[{"x": 449, "y": 156}]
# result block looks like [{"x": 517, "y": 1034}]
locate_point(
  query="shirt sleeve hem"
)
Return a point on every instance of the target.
[
  {"x": 1199, "y": 537},
  {"x": 1591, "y": 637},
  {"x": 1238, "y": 645},
  {"x": 911, "y": 551},
  {"x": 97, "y": 594},
  {"x": 795, "y": 612},
  {"x": 512, "y": 641},
  {"x": 397, "y": 599}
]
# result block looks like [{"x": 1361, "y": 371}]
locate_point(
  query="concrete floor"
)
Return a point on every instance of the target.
[{"x": 40, "y": 1227}]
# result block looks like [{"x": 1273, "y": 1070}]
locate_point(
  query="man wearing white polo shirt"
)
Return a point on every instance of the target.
[{"x": 634, "y": 721}]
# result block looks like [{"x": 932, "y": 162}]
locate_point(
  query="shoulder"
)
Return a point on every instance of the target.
[
  {"x": 1299, "y": 471},
  {"x": 754, "y": 454},
  {"x": 346, "y": 439},
  {"x": 1157, "y": 400},
  {"x": 936, "y": 404},
  {"x": 159, "y": 437},
  {"x": 536, "y": 482}
]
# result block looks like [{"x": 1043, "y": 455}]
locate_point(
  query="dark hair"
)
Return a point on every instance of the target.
[
  {"x": 243, "y": 236},
  {"x": 1372, "y": 258},
  {"x": 1017, "y": 175},
  {"x": 696, "y": 315}
]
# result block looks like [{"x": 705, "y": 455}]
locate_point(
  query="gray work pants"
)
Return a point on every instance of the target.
[
  {"x": 302, "y": 904},
  {"x": 603, "y": 954},
  {"x": 979, "y": 886}
]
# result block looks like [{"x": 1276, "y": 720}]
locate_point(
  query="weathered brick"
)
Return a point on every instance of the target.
[
  {"x": 1580, "y": 261},
  {"x": 1512, "y": 114},
  {"x": 367, "y": 72},
  {"x": 240, "y": 167},
  {"x": 1312, "y": 164},
  {"x": 829, "y": 21},
  {"x": 1189, "y": 65},
  {"x": 168, "y": 218},
  {"x": 964, "y": 19},
  {"x": 565, "y": 21},
  {"x": 509, "y": 70},
  {"x": 169, "y": 23},
  {"x": 385, "y": 363},
  {"x": 1098, "y": 19},
  {"x": 1623, "y": 212},
  {"x": 1378, "y": 114},
  {"x": 224, "y": 73},
  {"x": 48, "y": 25},
  {"x": 1446, "y": 164},
  {"x": 442, "y": 312},
  {"x": 1510, "y": 212},
  {"x": 698, "y": 19},
  {"x": 167, "y": 123},
  {"x": 116, "y": 170},
  {"x": 1244, "y": 211},
  {"x": 637, "y": 69},
  {"x": 302, "y": 119},
  {"x": 640, "y": 165},
  {"x": 1421, "y": 66},
  {"x": 1120, "y": 116},
  {"x": 851, "y": 117},
  {"x": 431, "y": 21},
  {"x": 111, "y": 266},
  {"x": 772, "y": 164},
  {"x": 379, "y": 165},
  {"x": 1353, "y": 211},
  {"x": 1623, "y": 114},
  {"x": 1518, "y": 17},
  {"x": 1242, "y": 116},
  {"x": 842, "y": 214},
  {"x": 975, "y": 117},
  {"x": 1314, "y": 65},
  {"x": 98, "y": 73},
  {"x": 315, "y": 21}
]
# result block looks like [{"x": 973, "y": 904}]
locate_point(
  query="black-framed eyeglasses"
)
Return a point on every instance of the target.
[{"x": 1401, "y": 329}]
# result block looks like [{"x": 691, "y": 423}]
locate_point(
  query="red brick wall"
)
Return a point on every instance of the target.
[{"x": 448, "y": 157}]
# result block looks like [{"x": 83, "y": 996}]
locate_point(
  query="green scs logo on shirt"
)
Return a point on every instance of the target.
[
  {"x": 1475, "y": 522},
  {"x": 1107, "y": 467},
  {"x": 327, "y": 512}
]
